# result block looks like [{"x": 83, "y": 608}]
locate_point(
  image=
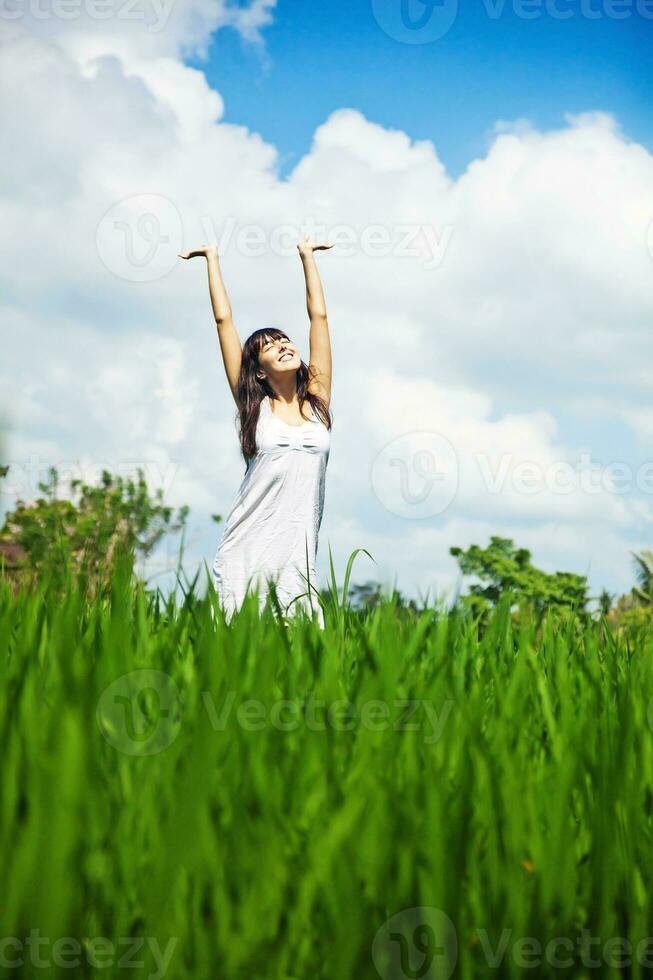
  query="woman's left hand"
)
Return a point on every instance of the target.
[{"x": 307, "y": 247}]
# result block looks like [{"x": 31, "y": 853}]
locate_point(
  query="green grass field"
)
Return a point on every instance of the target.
[{"x": 393, "y": 796}]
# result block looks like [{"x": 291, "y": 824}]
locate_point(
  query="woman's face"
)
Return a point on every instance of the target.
[{"x": 278, "y": 357}]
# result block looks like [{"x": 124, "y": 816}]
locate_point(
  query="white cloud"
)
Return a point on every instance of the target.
[
  {"x": 540, "y": 298},
  {"x": 88, "y": 29}
]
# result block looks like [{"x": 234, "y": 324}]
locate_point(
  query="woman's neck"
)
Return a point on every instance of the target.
[{"x": 286, "y": 392}]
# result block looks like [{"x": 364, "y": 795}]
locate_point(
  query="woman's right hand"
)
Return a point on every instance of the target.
[{"x": 206, "y": 251}]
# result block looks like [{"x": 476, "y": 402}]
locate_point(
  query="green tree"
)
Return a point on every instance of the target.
[
  {"x": 606, "y": 601},
  {"x": 502, "y": 568},
  {"x": 643, "y": 590},
  {"x": 86, "y": 534},
  {"x": 635, "y": 608}
]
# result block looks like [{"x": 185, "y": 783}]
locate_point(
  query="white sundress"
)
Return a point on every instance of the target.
[{"x": 276, "y": 517}]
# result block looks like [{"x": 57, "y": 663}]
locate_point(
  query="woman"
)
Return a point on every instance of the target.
[{"x": 271, "y": 532}]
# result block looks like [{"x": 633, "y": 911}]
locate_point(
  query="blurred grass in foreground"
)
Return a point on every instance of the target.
[{"x": 256, "y": 801}]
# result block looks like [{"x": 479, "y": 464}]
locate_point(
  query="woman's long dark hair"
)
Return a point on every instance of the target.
[{"x": 250, "y": 390}]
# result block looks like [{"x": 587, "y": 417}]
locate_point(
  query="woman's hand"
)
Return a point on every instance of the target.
[
  {"x": 206, "y": 250},
  {"x": 307, "y": 247}
]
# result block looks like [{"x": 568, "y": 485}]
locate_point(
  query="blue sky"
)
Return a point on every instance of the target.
[{"x": 319, "y": 57}]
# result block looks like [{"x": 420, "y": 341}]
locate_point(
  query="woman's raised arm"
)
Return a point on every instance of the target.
[
  {"x": 320, "y": 365},
  {"x": 229, "y": 340}
]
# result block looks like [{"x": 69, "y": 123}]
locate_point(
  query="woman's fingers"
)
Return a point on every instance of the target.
[{"x": 205, "y": 250}]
